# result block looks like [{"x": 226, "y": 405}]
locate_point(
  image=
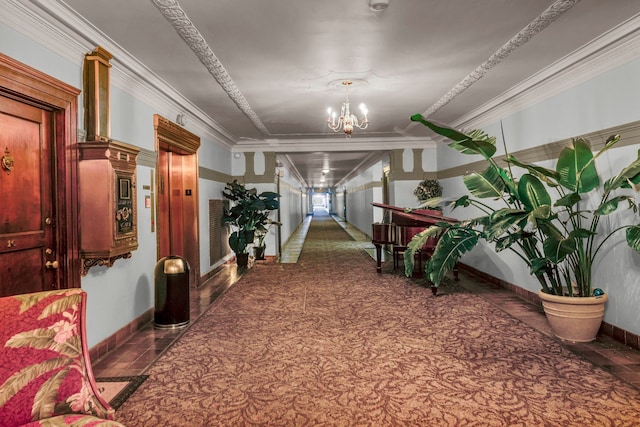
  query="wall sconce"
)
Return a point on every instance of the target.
[{"x": 181, "y": 119}]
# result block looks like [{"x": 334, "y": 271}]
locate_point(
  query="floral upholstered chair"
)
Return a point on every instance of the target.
[{"x": 45, "y": 372}]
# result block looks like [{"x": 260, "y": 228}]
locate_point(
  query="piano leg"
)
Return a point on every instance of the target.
[
  {"x": 455, "y": 273},
  {"x": 378, "y": 257}
]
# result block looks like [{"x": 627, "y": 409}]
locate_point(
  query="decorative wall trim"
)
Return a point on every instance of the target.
[
  {"x": 365, "y": 187},
  {"x": 175, "y": 137},
  {"x": 397, "y": 172},
  {"x": 625, "y": 337},
  {"x": 629, "y": 133},
  {"x": 212, "y": 175},
  {"x": 268, "y": 177}
]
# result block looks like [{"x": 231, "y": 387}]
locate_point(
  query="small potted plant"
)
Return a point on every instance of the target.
[
  {"x": 248, "y": 216},
  {"x": 427, "y": 190},
  {"x": 262, "y": 229},
  {"x": 557, "y": 238}
]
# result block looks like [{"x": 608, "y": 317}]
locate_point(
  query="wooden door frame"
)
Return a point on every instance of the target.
[{"x": 25, "y": 84}]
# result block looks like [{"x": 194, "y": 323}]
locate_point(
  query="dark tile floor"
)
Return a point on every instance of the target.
[{"x": 137, "y": 354}]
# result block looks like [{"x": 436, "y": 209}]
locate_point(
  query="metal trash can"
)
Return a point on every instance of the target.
[{"x": 171, "y": 293}]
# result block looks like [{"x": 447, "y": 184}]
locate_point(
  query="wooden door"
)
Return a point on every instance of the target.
[{"x": 29, "y": 261}]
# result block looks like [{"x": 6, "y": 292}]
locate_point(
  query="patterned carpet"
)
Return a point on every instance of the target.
[{"x": 329, "y": 342}]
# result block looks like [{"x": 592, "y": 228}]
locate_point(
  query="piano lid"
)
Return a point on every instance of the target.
[{"x": 421, "y": 216}]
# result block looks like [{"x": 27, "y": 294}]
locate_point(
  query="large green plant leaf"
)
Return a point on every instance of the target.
[
  {"x": 532, "y": 192},
  {"x": 455, "y": 242},
  {"x": 463, "y": 201},
  {"x": 476, "y": 143},
  {"x": 440, "y": 129},
  {"x": 417, "y": 242},
  {"x": 633, "y": 237},
  {"x": 611, "y": 205},
  {"x": 510, "y": 239},
  {"x": 557, "y": 249},
  {"x": 503, "y": 221},
  {"x": 488, "y": 184},
  {"x": 543, "y": 212},
  {"x": 568, "y": 200},
  {"x": 629, "y": 174},
  {"x": 237, "y": 242},
  {"x": 549, "y": 176},
  {"x": 479, "y": 143},
  {"x": 549, "y": 229},
  {"x": 576, "y": 168}
]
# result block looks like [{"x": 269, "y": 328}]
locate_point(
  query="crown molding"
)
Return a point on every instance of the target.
[
  {"x": 553, "y": 12},
  {"x": 612, "y": 49},
  {"x": 62, "y": 30},
  {"x": 333, "y": 144}
]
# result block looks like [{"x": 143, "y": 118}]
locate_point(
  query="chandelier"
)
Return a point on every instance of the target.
[{"x": 347, "y": 121}]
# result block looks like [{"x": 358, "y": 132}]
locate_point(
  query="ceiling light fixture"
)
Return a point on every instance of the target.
[
  {"x": 347, "y": 121},
  {"x": 378, "y": 5}
]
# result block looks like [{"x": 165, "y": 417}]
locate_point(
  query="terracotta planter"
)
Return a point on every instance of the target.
[{"x": 575, "y": 319}]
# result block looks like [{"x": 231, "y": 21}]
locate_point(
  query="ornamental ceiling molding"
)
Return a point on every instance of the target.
[
  {"x": 64, "y": 32},
  {"x": 611, "y": 50},
  {"x": 552, "y": 13},
  {"x": 179, "y": 20}
]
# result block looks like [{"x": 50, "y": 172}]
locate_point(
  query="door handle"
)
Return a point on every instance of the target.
[{"x": 52, "y": 264}]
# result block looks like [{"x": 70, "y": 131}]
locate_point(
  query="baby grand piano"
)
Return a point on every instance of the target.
[{"x": 400, "y": 231}]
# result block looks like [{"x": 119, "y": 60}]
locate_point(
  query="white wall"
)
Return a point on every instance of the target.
[{"x": 363, "y": 190}]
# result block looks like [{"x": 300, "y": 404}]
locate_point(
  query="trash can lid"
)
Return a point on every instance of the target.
[{"x": 173, "y": 266}]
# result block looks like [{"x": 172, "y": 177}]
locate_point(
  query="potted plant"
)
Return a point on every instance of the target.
[
  {"x": 248, "y": 215},
  {"x": 427, "y": 190},
  {"x": 262, "y": 229},
  {"x": 557, "y": 238}
]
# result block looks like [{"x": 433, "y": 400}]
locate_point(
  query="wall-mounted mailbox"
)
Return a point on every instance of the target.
[{"x": 108, "y": 230}]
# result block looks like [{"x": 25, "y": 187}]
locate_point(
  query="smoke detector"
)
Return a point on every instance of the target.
[{"x": 378, "y": 5}]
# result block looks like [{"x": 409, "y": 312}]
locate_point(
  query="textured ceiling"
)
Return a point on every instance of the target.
[{"x": 266, "y": 71}]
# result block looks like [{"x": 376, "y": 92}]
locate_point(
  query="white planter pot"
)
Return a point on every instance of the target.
[{"x": 575, "y": 319}]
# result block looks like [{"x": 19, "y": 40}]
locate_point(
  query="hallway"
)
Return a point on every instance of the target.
[{"x": 136, "y": 355}]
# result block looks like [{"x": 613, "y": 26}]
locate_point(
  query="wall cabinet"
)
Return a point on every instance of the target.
[{"x": 108, "y": 213}]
